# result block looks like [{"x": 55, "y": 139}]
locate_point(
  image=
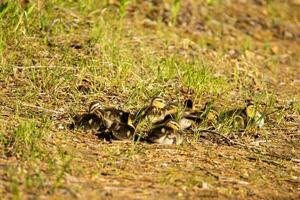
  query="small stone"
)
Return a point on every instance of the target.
[
  {"x": 149, "y": 23},
  {"x": 275, "y": 49},
  {"x": 288, "y": 35},
  {"x": 205, "y": 185}
]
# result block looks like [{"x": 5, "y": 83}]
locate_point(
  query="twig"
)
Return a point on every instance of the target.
[
  {"x": 296, "y": 160},
  {"x": 43, "y": 109},
  {"x": 233, "y": 180},
  {"x": 230, "y": 141},
  {"x": 267, "y": 161}
]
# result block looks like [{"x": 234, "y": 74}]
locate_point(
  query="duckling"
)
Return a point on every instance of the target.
[
  {"x": 170, "y": 111},
  {"x": 246, "y": 116},
  {"x": 122, "y": 130},
  {"x": 154, "y": 112},
  {"x": 255, "y": 117},
  {"x": 166, "y": 133},
  {"x": 109, "y": 115}
]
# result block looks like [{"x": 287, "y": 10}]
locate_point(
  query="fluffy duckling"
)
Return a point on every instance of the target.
[
  {"x": 122, "y": 130},
  {"x": 246, "y": 116},
  {"x": 110, "y": 116},
  {"x": 255, "y": 117},
  {"x": 154, "y": 112},
  {"x": 166, "y": 133}
]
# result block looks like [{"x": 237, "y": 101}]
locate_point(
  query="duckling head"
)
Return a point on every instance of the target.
[
  {"x": 172, "y": 124},
  {"x": 250, "y": 111},
  {"x": 250, "y": 108},
  {"x": 249, "y": 102},
  {"x": 158, "y": 102},
  {"x": 212, "y": 115},
  {"x": 172, "y": 109},
  {"x": 95, "y": 105}
]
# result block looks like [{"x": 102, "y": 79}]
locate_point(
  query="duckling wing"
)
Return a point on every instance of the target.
[
  {"x": 156, "y": 117},
  {"x": 177, "y": 138},
  {"x": 157, "y": 134},
  {"x": 171, "y": 137},
  {"x": 195, "y": 116},
  {"x": 236, "y": 118},
  {"x": 231, "y": 113},
  {"x": 112, "y": 115},
  {"x": 121, "y": 131}
]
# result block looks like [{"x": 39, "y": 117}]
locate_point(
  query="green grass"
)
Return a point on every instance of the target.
[
  {"x": 57, "y": 56},
  {"x": 24, "y": 141}
]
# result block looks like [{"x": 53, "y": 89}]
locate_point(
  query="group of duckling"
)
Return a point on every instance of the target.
[{"x": 162, "y": 122}]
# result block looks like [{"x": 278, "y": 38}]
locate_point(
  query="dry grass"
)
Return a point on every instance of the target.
[{"x": 57, "y": 56}]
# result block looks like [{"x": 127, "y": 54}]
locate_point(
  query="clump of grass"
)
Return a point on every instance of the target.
[
  {"x": 122, "y": 7},
  {"x": 175, "y": 8},
  {"x": 65, "y": 164},
  {"x": 24, "y": 142}
]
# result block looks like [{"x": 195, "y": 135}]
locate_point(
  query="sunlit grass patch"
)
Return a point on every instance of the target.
[{"x": 24, "y": 142}]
